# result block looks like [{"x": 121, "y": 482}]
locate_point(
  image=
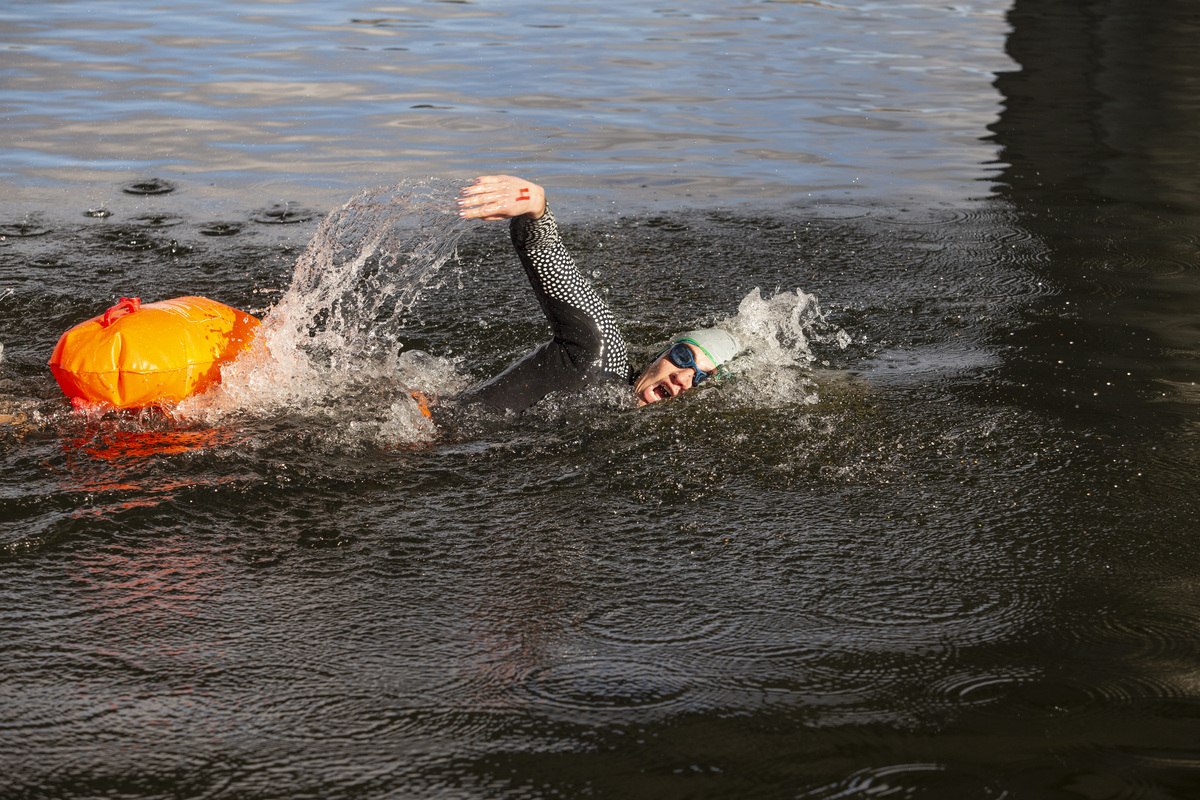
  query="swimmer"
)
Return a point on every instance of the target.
[{"x": 587, "y": 347}]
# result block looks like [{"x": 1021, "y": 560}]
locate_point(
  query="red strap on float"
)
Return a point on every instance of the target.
[{"x": 127, "y": 305}]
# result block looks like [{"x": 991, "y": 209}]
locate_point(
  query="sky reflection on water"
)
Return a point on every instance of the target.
[{"x": 753, "y": 99}]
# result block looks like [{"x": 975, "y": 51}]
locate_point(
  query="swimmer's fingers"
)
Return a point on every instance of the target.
[{"x": 495, "y": 197}]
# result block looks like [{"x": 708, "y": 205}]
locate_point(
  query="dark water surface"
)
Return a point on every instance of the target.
[{"x": 937, "y": 539}]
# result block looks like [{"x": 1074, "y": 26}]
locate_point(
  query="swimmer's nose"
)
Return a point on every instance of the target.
[{"x": 681, "y": 381}]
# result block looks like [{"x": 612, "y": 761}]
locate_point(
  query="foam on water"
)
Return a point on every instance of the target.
[{"x": 777, "y": 334}]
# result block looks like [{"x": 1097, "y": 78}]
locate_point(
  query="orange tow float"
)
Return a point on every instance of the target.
[{"x": 136, "y": 355}]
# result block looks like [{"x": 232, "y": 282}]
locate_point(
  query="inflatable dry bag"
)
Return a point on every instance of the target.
[{"x": 136, "y": 355}]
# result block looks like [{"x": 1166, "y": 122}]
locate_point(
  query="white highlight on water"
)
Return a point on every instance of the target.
[{"x": 3, "y": 295}]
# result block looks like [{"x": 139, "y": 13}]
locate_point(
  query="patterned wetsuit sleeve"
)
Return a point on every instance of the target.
[
  {"x": 578, "y": 317},
  {"x": 587, "y": 346}
]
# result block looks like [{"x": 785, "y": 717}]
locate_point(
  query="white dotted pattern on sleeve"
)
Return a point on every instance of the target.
[{"x": 562, "y": 281}]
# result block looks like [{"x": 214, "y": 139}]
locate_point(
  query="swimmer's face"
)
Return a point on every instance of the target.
[{"x": 663, "y": 379}]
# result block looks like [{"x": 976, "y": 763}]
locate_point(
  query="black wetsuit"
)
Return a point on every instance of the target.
[{"x": 587, "y": 347}]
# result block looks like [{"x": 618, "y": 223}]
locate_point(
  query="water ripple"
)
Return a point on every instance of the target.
[
  {"x": 607, "y": 684},
  {"x": 286, "y": 213},
  {"x": 663, "y": 620},
  {"x": 925, "y": 779},
  {"x": 221, "y": 228},
  {"x": 157, "y": 220},
  {"x": 24, "y": 228},
  {"x": 149, "y": 186}
]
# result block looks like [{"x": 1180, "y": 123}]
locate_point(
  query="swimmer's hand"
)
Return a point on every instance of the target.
[{"x": 494, "y": 197}]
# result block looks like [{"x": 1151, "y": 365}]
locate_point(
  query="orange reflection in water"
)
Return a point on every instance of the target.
[
  {"x": 115, "y": 445},
  {"x": 120, "y": 456}
]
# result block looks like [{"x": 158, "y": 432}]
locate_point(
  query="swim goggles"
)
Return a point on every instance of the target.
[{"x": 681, "y": 356}]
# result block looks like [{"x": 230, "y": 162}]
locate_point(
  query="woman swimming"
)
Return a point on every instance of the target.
[{"x": 587, "y": 347}]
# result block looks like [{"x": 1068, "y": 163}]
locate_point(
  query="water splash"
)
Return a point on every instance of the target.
[
  {"x": 332, "y": 346},
  {"x": 367, "y": 266},
  {"x": 778, "y": 334}
]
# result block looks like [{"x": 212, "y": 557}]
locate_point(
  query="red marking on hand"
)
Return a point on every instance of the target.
[{"x": 524, "y": 195}]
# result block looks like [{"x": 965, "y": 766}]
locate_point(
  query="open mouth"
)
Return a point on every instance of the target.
[{"x": 652, "y": 394}]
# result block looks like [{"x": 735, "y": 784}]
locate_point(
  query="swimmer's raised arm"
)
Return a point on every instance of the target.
[{"x": 494, "y": 197}]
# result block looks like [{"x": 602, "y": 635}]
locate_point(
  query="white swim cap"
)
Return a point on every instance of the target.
[{"x": 717, "y": 344}]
